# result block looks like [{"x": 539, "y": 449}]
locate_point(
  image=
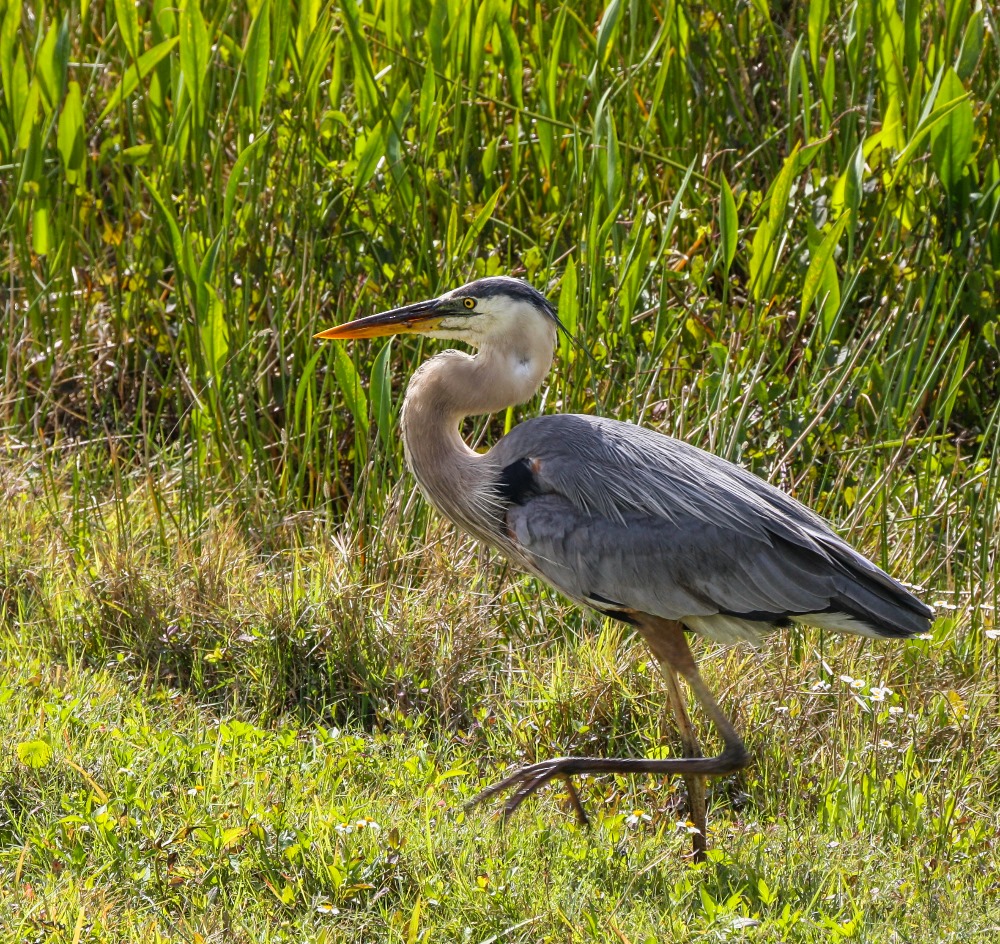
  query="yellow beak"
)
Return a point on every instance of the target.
[{"x": 410, "y": 319}]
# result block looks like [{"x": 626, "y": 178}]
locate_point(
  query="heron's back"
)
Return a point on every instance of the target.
[{"x": 628, "y": 520}]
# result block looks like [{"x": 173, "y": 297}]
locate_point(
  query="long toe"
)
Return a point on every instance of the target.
[
  {"x": 574, "y": 799},
  {"x": 521, "y": 794},
  {"x": 527, "y": 780}
]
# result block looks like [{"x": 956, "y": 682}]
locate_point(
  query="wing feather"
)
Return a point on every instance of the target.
[{"x": 620, "y": 513}]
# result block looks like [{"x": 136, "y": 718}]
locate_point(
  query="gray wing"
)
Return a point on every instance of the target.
[{"x": 626, "y": 519}]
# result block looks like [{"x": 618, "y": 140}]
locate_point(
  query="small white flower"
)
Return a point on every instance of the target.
[
  {"x": 821, "y": 686},
  {"x": 880, "y": 693},
  {"x": 895, "y": 710}
]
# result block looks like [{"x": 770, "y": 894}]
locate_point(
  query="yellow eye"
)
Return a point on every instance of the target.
[{"x": 470, "y": 303}]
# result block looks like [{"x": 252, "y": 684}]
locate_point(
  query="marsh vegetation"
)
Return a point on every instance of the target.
[{"x": 247, "y": 680}]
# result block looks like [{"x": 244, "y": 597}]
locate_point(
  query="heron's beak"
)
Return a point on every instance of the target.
[{"x": 411, "y": 319}]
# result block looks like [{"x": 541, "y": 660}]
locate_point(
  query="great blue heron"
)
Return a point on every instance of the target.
[{"x": 636, "y": 525}]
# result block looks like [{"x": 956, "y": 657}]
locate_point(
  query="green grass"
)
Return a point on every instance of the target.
[{"x": 247, "y": 680}]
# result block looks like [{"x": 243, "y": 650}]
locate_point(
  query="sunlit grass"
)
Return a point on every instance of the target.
[{"x": 245, "y": 741}]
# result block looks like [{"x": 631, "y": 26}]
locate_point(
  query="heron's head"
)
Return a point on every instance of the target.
[{"x": 488, "y": 311}]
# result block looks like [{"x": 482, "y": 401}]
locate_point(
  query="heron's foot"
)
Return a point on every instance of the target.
[{"x": 526, "y": 781}]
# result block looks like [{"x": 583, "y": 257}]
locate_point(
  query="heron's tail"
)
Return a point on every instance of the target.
[{"x": 868, "y": 596}]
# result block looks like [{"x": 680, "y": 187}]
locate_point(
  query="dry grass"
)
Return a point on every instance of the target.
[{"x": 232, "y": 638}]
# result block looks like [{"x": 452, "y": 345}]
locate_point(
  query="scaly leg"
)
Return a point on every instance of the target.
[{"x": 696, "y": 783}]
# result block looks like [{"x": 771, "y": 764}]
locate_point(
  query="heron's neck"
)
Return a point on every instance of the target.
[{"x": 445, "y": 390}]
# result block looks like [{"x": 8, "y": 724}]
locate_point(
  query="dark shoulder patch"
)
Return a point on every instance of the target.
[{"x": 517, "y": 483}]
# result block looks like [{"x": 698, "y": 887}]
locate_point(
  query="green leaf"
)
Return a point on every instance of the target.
[
  {"x": 569, "y": 310},
  {"x": 381, "y": 395},
  {"x": 206, "y": 271},
  {"x": 951, "y": 139},
  {"x": 372, "y": 152},
  {"x": 41, "y": 241},
  {"x": 890, "y": 42},
  {"x": 819, "y": 11},
  {"x": 929, "y": 122},
  {"x": 134, "y": 73},
  {"x": 511, "y": 51},
  {"x": 828, "y": 96},
  {"x": 137, "y": 155},
  {"x": 430, "y": 108},
  {"x": 482, "y": 218},
  {"x": 675, "y": 204},
  {"x": 303, "y": 411},
  {"x": 796, "y": 92},
  {"x": 849, "y": 188},
  {"x": 818, "y": 263},
  {"x": 413, "y": 925},
  {"x": 553, "y": 69},
  {"x": 280, "y": 31},
  {"x": 29, "y": 116},
  {"x": 956, "y": 373},
  {"x": 855, "y": 183},
  {"x": 762, "y": 253},
  {"x": 612, "y": 176},
  {"x": 70, "y": 139},
  {"x": 19, "y": 93},
  {"x": 782, "y": 188},
  {"x": 128, "y": 26},
  {"x": 435, "y": 34},
  {"x": 236, "y": 177},
  {"x": 51, "y": 64},
  {"x": 892, "y": 136},
  {"x": 972, "y": 46},
  {"x": 728, "y": 224},
  {"x": 309, "y": 12},
  {"x": 213, "y": 331},
  {"x": 365, "y": 89},
  {"x": 176, "y": 240},
  {"x": 606, "y": 30},
  {"x": 194, "y": 56},
  {"x": 34, "y": 754},
  {"x": 350, "y": 386},
  {"x": 484, "y": 20},
  {"x": 256, "y": 58},
  {"x": 9, "y": 30}
]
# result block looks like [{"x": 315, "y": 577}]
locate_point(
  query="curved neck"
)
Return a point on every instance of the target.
[{"x": 449, "y": 387}]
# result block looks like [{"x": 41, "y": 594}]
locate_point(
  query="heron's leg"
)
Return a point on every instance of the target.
[
  {"x": 669, "y": 644},
  {"x": 696, "y": 783},
  {"x": 666, "y": 639}
]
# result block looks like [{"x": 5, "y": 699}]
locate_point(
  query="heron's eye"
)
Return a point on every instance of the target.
[{"x": 469, "y": 303}]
